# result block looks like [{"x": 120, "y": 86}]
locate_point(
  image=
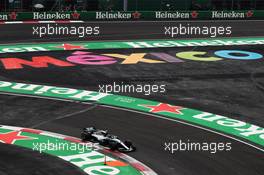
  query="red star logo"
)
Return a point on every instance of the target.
[
  {"x": 75, "y": 15},
  {"x": 162, "y": 107},
  {"x": 194, "y": 14},
  {"x": 70, "y": 47},
  {"x": 13, "y": 15},
  {"x": 249, "y": 14},
  {"x": 11, "y": 137},
  {"x": 136, "y": 15}
]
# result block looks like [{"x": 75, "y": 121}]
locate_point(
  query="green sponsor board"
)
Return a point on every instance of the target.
[
  {"x": 220, "y": 123},
  {"x": 86, "y": 157},
  {"x": 129, "y": 44},
  {"x": 133, "y": 15}
]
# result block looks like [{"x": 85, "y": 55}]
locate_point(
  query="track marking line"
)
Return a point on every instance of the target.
[
  {"x": 149, "y": 21},
  {"x": 41, "y": 22}
]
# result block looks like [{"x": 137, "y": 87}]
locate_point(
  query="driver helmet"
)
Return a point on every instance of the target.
[
  {"x": 104, "y": 132},
  {"x": 113, "y": 137}
]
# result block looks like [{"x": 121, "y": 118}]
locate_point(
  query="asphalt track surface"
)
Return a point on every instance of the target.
[
  {"x": 230, "y": 88},
  {"x": 17, "y": 161},
  {"x": 110, "y": 30}
]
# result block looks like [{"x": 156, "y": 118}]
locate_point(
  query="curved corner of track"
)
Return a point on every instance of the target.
[
  {"x": 91, "y": 157},
  {"x": 47, "y": 85}
]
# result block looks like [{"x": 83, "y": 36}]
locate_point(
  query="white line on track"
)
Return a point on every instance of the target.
[
  {"x": 144, "y": 113},
  {"x": 178, "y": 21},
  {"x": 14, "y": 22},
  {"x": 152, "y": 21},
  {"x": 45, "y": 22}
]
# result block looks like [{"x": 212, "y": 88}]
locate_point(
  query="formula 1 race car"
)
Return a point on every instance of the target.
[{"x": 103, "y": 138}]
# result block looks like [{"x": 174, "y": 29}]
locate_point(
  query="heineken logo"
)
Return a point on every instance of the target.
[
  {"x": 90, "y": 159},
  {"x": 13, "y": 15},
  {"x": 194, "y": 14},
  {"x": 191, "y": 43},
  {"x": 54, "y": 16},
  {"x": 232, "y": 14},
  {"x": 130, "y": 15},
  {"x": 249, "y": 14},
  {"x": 242, "y": 129},
  {"x": 118, "y": 15},
  {"x": 3, "y": 17},
  {"x": 76, "y": 15},
  {"x": 175, "y": 15},
  {"x": 129, "y": 44},
  {"x": 51, "y": 91},
  {"x": 10, "y": 16}
]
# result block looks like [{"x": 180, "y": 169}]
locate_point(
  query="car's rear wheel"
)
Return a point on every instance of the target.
[
  {"x": 86, "y": 137},
  {"x": 113, "y": 146}
]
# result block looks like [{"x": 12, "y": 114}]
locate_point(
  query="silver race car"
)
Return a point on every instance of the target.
[{"x": 105, "y": 139}]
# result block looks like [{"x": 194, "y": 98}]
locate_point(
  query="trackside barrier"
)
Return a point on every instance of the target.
[{"x": 133, "y": 15}]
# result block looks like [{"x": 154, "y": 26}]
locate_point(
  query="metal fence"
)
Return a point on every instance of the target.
[{"x": 130, "y": 5}]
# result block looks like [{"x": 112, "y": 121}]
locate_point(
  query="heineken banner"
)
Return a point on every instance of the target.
[{"x": 138, "y": 15}]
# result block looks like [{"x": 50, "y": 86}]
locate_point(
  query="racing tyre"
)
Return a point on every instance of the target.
[
  {"x": 128, "y": 143},
  {"x": 113, "y": 146},
  {"x": 86, "y": 137}
]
